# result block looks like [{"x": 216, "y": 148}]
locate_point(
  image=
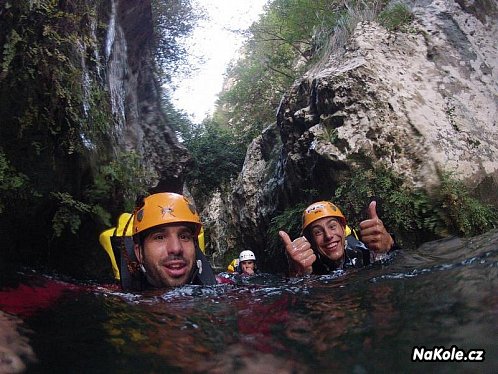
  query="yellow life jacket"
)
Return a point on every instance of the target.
[
  {"x": 232, "y": 266},
  {"x": 202, "y": 243},
  {"x": 348, "y": 231},
  {"x": 119, "y": 230}
]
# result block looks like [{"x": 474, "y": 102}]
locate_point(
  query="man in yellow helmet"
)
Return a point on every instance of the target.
[
  {"x": 324, "y": 246},
  {"x": 165, "y": 235}
]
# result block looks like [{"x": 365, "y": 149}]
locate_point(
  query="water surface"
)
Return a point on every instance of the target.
[{"x": 443, "y": 294}]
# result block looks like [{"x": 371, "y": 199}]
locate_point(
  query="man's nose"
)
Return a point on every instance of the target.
[
  {"x": 329, "y": 233},
  {"x": 174, "y": 245}
]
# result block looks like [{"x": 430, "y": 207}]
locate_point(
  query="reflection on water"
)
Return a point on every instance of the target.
[
  {"x": 15, "y": 350},
  {"x": 367, "y": 320}
]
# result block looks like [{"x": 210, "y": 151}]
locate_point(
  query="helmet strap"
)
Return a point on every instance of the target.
[{"x": 142, "y": 268}]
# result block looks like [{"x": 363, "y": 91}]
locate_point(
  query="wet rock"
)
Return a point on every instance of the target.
[{"x": 420, "y": 102}]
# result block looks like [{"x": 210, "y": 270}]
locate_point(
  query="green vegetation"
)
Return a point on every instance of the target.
[
  {"x": 395, "y": 16},
  {"x": 173, "y": 20},
  {"x": 413, "y": 214},
  {"x": 464, "y": 214},
  {"x": 279, "y": 48},
  {"x": 290, "y": 37},
  {"x": 60, "y": 170},
  {"x": 218, "y": 157},
  {"x": 449, "y": 209},
  {"x": 290, "y": 220},
  {"x": 12, "y": 183}
]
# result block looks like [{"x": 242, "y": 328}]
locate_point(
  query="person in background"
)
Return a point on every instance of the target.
[
  {"x": 324, "y": 246},
  {"x": 247, "y": 263},
  {"x": 165, "y": 235},
  {"x": 232, "y": 266}
]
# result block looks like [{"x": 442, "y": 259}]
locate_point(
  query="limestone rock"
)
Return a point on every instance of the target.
[{"x": 420, "y": 101}]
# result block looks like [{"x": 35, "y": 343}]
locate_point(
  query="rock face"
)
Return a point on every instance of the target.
[
  {"x": 421, "y": 101},
  {"x": 135, "y": 95},
  {"x": 250, "y": 205},
  {"x": 78, "y": 92}
]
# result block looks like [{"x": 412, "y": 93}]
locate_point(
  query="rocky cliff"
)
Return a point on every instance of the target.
[
  {"x": 420, "y": 101},
  {"x": 135, "y": 94},
  {"x": 78, "y": 93}
]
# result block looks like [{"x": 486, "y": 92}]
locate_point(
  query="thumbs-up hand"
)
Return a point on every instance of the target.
[
  {"x": 299, "y": 253},
  {"x": 373, "y": 233}
]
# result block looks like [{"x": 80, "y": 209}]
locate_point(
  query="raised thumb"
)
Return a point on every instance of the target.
[
  {"x": 372, "y": 210},
  {"x": 285, "y": 237}
]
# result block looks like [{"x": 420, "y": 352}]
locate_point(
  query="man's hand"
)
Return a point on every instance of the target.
[
  {"x": 299, "y": 253},
  {"x": 373, "y": 233}
]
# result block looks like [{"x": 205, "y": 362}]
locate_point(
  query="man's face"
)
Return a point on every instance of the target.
[
  {"x": 247, "y": 267},
  {"x": 328, "y": 235},
  {"x": 168, "y": 255}
]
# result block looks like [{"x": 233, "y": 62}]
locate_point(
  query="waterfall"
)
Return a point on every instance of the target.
[
  {"x": 117, "y": 66},
  {"x": 86, "y": 82},
  {"x": 111, "y": 33}
]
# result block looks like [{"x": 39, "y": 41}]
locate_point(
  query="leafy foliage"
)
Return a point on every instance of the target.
[
  {"x": 218, "y": 156},
  {"x": 289, "y": 221},
  {"x": 69, "y": 213},
  {"x": 59, "y": 165},
  {"x": 395, "y": 16},
  {"x": 277, "y": 42},
  {"x": 465, "y": 214},
  {"x": 448, "y": 209},
  {"x": 409, "y": 212},
  {"x": 173, "y": 21},
  {"x": 12, "y": 183},
  {"x": 123, "y": 178},
  {"x": 399, "y": 206}
]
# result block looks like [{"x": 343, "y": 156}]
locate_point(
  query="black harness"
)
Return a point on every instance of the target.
[{"x": 356, "y": 255}]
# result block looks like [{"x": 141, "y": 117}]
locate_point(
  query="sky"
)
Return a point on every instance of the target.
[{"x": 213, "y": 41}]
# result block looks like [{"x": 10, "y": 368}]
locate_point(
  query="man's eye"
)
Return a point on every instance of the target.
[
  {"x": 317, "y": 233},
  {"x": 158, "y": 237},
  {"x": 186, "y": 236}
]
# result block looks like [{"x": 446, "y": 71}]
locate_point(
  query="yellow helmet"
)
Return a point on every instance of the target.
[
  {"x": 319, "y": 210},
  {"x": 162, "y": 208}
]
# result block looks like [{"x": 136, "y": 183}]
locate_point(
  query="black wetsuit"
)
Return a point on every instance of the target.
[
  {"x": 203, "y": 273},
  {"x": 357, "y": 255}
]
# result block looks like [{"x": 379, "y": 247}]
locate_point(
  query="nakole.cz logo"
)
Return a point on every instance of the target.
[{"x": 442, "y": 354}]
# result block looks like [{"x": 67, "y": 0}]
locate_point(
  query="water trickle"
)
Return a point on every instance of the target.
[
  {"x": 117, "y": 68},
  {"x": 111, "y": 31},
  {"x": 86, "y": 85},
  {"x": 96, "y": 54}
]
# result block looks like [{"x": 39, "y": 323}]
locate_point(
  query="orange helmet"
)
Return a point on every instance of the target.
[
  {"x": 319, "y": 210},
  {"x": 165, "y": 207}
]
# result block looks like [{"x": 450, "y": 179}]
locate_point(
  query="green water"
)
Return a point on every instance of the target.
[{"x": 443, "y": 294}]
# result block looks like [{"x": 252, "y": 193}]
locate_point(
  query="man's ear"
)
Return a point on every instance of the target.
[{"x": 138, "y": 252}]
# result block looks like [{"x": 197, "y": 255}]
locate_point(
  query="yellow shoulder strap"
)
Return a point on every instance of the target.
[
  {"x": 202, "y": 243},
  {"x": 123, "y": 220},
  {"x": 231, "y": 267},
  {"x": 105, "y": 242},
  {"x": 348, "y": 231}
]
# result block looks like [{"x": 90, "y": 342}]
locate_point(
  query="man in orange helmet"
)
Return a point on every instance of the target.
[
  {"x": 165, "y": 234},
  {"x": 324, "y": 246}
]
